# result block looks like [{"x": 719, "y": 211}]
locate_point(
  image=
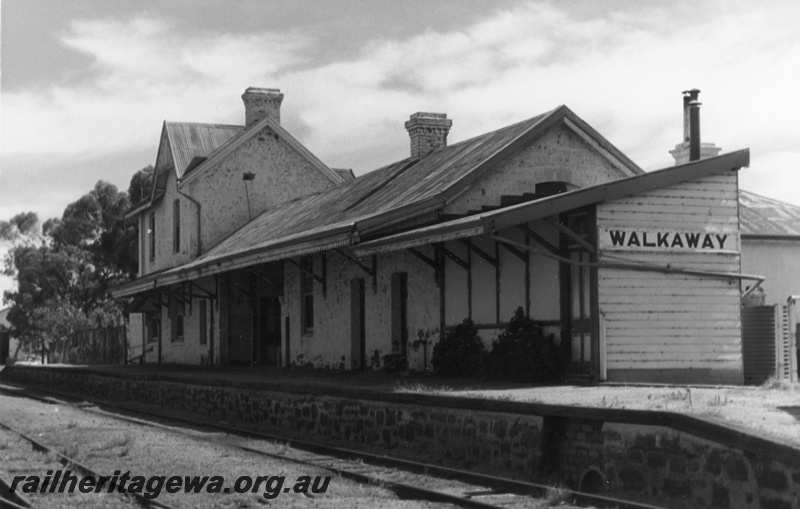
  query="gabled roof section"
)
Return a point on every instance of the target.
[
  {"x": 188, "y": 141},
  {"x": 762, "y": 217},
  {"x": 245, "y": 134},
  {"x": 447, "y": 172},
  {"x": 487, "y": 222}
]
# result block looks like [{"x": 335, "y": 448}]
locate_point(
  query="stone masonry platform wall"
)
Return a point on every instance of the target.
[{"x": 667, "y": 459}]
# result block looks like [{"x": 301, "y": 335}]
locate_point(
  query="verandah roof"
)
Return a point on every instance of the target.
[{"x": 488, "y": 222}]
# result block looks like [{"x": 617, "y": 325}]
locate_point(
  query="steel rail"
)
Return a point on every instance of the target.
[
  {"x": 9, "y": 500},
  {"x": 73, "y": 463},
  {"x": 500, "y": 484}
]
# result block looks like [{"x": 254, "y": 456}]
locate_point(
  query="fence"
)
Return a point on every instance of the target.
[{"x": 93, "y": 346}]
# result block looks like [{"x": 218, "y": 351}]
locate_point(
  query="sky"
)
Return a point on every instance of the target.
[{"x": 86, "y": 84}]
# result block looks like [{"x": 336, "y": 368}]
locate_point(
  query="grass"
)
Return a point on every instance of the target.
[
  {"x": 718, "y": 401},
  {"x": 773, "y": 384},
  {"x": 421, "y": 387},
  {"x": 557, "y": 495}
]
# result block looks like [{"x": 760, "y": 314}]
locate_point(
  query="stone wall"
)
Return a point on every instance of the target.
[
  {"x": 329, "y": 345},
  {"x": 668, "y": 459}
]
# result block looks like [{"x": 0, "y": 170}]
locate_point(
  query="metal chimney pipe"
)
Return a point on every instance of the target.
[
  {"x": 694, "y": 130},
  {"x": 688, "y": 96}
]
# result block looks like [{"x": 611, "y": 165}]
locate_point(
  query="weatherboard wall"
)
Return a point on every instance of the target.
[{"x": 669, "y": 327}]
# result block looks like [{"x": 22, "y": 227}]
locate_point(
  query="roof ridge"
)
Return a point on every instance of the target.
[
  {"x": 538, "y": 118},
  {"x": 172, "y": 122}
]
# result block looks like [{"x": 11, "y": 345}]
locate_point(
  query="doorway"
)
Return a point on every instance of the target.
[
  {"x": 400, "y": 317},
  {"x": 357, "y": 325},
  {"x": 580, "y": 300},
  {"x": 269, "y": 331}
]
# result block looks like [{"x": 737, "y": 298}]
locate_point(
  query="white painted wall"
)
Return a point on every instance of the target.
[
  {"x": 188, "y": 350},
  {"x": 329, "y": 345}
]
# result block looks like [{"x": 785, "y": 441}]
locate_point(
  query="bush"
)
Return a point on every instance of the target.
[
  {"x": 523, "y": 353},
  {"x": 459, "y": 352}
]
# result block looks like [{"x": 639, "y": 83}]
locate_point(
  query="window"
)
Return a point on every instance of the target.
[
  {"x": 155, "y": 327},
  {"x": 202, "y": 320},
  {"x": 179, "y": 326},
  {"x": 307, "y": 294},
  {"x": 152, "y": 234},
  {"x": 176, "y": 226},
  {"x": 177, "y": 312}
]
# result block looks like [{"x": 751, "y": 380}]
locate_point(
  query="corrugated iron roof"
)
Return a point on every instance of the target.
[
  {"x": 507, "y": 217},
  {"x": 765, "y": 217},
  {"x": 442, "y": 168},
  {"x": 382, "y": 190},
  {"x": 189, "y": 141},
  {"x": 389, "y": 191}
]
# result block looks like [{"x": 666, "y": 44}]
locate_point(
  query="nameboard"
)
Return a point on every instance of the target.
[{"x": 643, "y": 239}]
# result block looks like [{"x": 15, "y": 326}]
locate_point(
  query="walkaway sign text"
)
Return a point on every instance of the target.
[{"x": 642, "y": 239}]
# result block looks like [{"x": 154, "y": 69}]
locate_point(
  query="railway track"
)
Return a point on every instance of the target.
[
  {"x": 408, "y": 479},
  {"x": 15, "y": 500}
]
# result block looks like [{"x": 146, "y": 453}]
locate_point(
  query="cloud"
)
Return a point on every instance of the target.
[
  {"x": 623, "y": 73},
  {"x": 620, "y": 68},
  {"x": 141, "y": 73}
]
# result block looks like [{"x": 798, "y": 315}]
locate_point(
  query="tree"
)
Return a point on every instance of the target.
[
  {"x": 96, "y": 222},
  {"x": 141, "y": 184},
  {"x": 58, "y": 291},
  {"x": 66, "y": 267},
  {"x": 22, "y": 228}
]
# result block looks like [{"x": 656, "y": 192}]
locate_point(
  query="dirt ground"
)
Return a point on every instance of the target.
[{"x": 107, "y": 445}]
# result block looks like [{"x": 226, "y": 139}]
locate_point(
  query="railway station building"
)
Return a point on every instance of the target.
[{"x": 254, "y": 252}]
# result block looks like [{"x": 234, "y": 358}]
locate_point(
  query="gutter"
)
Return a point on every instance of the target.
[{"x": 238, "y": 260}]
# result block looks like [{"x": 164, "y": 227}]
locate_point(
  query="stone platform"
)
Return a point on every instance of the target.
[{"x": 661, "y": 457}]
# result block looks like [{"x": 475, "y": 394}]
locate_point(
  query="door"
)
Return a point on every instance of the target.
[
  {"x": 400, "y": 317},
  {"x": 580, "y": 313},
  {"x": 269, "y": 327},
  {"x": 357, "y": 325},
  {"x": 582, "y": 301}
]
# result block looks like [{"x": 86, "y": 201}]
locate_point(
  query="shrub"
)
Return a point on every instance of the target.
[
  {"x": 459, "y": 352},
  {"x": 523, "y": 353}
]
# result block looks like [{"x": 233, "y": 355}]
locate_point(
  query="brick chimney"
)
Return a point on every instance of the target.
[
  {"x": 428, "y": 131},
  {"x": 691, "y": 148},
  {"x": 260, "y": 103}
]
